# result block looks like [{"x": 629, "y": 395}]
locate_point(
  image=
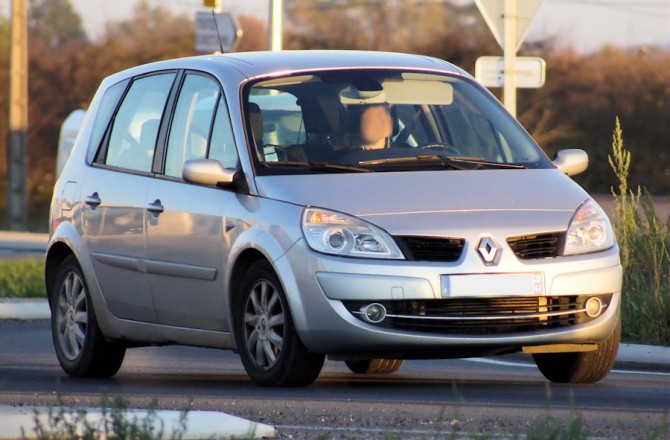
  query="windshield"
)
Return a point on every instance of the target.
[{"x": 382, "y": 120}]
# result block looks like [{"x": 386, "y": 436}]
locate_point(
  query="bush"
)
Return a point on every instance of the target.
[
  {"x": 645, "y": 256},
  {"x": 22, "y": 279}
]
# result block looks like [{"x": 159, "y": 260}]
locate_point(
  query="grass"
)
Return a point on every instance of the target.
[
  {"x": 116, "y": 423},
  {"x": 645, "y": 255},
  {"x": 22, "y": 278}
]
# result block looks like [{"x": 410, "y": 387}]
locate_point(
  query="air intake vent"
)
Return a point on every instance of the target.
[
  {"x": 483, "y": 316},
  {"x": 431, "y": 248},
  {"x": 531, "y": 247}
]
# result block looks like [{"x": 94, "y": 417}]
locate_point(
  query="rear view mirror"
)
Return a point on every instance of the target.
[
  {"x": 208, "y": 172},
  {"x": 571, "y": 162}
]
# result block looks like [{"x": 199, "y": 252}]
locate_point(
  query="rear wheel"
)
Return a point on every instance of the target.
[
  {"x": 375, "y": 366},
  {"x": 81, "y": 348},
  {"x": 585, "y": 367},
  {"x": 269, "y": 346}
]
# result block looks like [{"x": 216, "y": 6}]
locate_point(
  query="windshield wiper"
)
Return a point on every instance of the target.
[
  {"x": 453, "y": 162},
  {"x": 316, "y": 166}
]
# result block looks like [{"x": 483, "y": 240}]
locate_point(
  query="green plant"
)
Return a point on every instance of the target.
[
  {"x": 22, "y": 278},
  {"x": 645, "y": 255},
  {"x": 550, "y": 428},
  {"x": 116, "y": 422}
]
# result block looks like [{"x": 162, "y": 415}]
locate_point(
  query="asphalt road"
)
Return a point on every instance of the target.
[{"x": 425, "y": 399}]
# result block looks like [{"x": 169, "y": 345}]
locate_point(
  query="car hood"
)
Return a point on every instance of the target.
[{"x": 439, "y": 202}]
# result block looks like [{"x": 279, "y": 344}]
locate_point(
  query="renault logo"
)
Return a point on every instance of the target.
[{"x": 489, "y": 250}]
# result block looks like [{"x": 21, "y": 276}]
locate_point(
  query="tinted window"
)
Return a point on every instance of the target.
[
  {"x": 109, "y": 102},
  {"x": 133, "y": 137},
  {"x": 192, "y": 122},
  {"x": 382, "y": 120},
  {"x": 222, "y": 147}
]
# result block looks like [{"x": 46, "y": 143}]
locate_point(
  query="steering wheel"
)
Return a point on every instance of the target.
[{"x": 446, "y": 148}]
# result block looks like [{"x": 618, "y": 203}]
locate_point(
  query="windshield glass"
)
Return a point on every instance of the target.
[{"x": 382, "y": 120}]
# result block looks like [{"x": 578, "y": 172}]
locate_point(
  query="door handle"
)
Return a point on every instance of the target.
[
  {"x": 93, "y": 200},
  {"x": 156, "y": 207}
]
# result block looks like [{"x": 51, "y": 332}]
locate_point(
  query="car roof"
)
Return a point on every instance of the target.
[{"x": 264, "y": 63}]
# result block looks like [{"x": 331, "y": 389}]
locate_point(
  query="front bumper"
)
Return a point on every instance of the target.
[{"x": 327, "y": 293}]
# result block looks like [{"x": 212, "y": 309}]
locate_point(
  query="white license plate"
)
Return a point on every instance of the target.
[{"x": 482, "y": 285}]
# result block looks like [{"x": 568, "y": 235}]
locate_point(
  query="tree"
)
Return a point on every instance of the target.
[
  {"x": 587, "y": 93},
  {"x": 55, "y": 22},
  {"x": 151, "y": 34},
  {"x": 255, "y": 34}
]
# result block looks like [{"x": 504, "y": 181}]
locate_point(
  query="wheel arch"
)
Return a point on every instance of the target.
[
  {"x": 243, "y": 261},
  {"x": 56, "y": 254}
]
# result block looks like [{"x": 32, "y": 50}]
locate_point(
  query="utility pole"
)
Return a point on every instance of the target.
[
  {"x": 276, "y": 19},
  {"x": 510, "y": 17},
  {"x": 17, "y": 201}
]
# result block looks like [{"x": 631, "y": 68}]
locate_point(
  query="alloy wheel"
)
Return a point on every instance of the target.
[
  {"x": 72, "y": 316},
  {"x": 264, "y": 324}
]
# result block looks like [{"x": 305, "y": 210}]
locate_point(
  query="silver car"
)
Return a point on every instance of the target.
[{"x": 369, "y": 207}]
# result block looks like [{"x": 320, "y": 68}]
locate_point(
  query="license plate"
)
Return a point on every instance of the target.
[{"x": 483, "y": 285}]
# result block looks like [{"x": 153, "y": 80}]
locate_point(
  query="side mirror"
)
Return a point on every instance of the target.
[
  {"x": 208, "y": 172},
  {"x": 571, "y": 162}
]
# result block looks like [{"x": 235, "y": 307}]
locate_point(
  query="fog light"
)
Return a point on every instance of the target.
[
  {"x": 374, "y": 313},
  {"x": 593, "y": 307}
]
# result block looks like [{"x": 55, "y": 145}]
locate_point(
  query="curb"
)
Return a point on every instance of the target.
[
  {"x": 24, "y": 309},
  {"x": 24, "y": 241},
  {"x": 198, "y": 424},
  {"x": 645, "y": 357}
]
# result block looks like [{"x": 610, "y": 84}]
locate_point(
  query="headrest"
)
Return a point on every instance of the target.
[
  {"x": 320, "y": 115},
  {"x": 256, "y": 121},
  {"x": 149, "y": 133}
]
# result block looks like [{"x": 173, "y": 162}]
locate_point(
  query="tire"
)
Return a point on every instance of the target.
[
  {"x": 584, "y": 367},
  {"x": 375, "y": 366},
  {"x": 269, "y": 346},
  {"x": 81, "y": 348}
]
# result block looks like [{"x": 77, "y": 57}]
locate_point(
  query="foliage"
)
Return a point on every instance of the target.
[
  {"x": 585, "y": 93},
  {"x": 117, "y": 422},
  {"x": 22, "y": 279},
  {"x": 645, "y": 255},
  {"x": 55, "y": 22},
  {"x": 550, "y": 428}
]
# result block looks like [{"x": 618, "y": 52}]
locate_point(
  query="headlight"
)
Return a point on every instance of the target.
[
  {"x": 589, "y": 231},
  {"x": 339, "y": 234}
]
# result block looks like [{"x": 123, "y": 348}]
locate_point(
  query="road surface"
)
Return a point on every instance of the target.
[{"x": 424, "y": 399}]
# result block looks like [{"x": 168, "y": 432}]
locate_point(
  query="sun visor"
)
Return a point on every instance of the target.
[{"x": 410, "y": 91}]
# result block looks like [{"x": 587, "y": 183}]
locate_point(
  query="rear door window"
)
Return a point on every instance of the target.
[{"x": 133, "y": 136}]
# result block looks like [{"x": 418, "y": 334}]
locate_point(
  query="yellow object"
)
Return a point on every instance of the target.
[{"x": 215, "y": 4}]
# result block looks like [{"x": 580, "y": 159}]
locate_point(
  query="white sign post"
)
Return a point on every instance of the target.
[
  {"x": 509, "y": 21},
  {"x": 207, "y": 39}
]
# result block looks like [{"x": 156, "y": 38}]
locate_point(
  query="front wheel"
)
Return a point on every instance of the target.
[
  {"x": 81, "y": 348},
  {"x": 270, "y": 348},
  {"x": 584, "y": 367}
]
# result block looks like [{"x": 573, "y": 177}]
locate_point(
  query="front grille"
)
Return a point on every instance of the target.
[
  {"x": 431, "y": 248},
  {"x": 530, "y": 247},
  {"x": 482, "y": 316}
]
